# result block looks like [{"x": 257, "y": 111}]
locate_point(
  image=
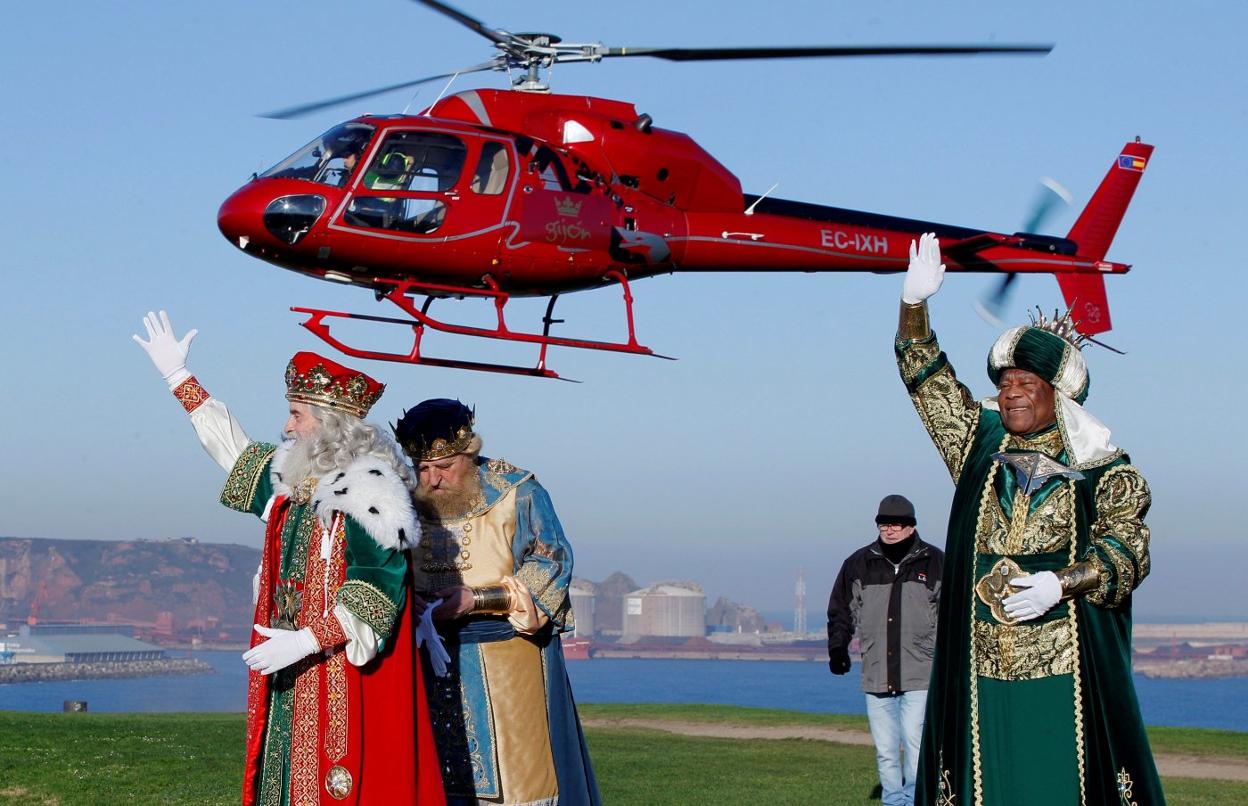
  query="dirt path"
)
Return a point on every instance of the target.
[{"x": 1225, "y": 769}]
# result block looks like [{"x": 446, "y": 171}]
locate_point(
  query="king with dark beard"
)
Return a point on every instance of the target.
[{"x": 493, "y": 551}]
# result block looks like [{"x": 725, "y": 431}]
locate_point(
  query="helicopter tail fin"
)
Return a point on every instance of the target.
[{"x": 1094, "y": 232}]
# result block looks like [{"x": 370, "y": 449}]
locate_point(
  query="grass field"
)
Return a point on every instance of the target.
[{"x": 137, "y": 759}]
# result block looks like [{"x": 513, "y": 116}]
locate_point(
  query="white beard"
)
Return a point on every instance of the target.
[{"x": 296, "y": 461}]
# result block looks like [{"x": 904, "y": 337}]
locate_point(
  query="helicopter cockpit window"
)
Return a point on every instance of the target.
[
  {"x": 490, "y": 177},
  {"x": 418, "y": 216},
  {"x": 329, "y": 159},
  {"x": 418, "y": 162}
]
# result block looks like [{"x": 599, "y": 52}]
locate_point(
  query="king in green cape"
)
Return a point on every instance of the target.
[{"x": 1031, "y": 699}]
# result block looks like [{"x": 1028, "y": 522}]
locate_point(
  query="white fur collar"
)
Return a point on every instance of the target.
[
  {"x": 275, "y": 468},
  {"x": 371, "y": 492}
]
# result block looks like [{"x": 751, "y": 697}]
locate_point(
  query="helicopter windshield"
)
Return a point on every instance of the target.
[{"x": 329, "y": 159}]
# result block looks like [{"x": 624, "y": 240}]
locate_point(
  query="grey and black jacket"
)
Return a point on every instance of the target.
[{"x": 893, "y": 609}]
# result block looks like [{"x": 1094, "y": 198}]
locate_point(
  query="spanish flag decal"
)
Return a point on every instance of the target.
[{"x": 1131, "y": 163}]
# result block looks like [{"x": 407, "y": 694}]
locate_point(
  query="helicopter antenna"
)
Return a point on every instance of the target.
[
  {"x": 750, "y": 210},
  {"x": 412, "y": 101},
  {"x": 454, "y": 76}
]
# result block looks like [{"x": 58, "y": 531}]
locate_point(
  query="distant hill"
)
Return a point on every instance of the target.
[{"x": 175, "y": 589}]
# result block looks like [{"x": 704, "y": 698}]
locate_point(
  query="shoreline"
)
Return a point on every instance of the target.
[{"x": 50, "y": 672}]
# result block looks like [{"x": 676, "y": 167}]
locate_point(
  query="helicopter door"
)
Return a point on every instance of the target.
[
  {"x": 409, "y": 185},
  {"x": 559, "y": 210}
]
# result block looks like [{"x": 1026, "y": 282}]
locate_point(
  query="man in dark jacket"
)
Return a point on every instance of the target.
[{"x": 888, "y": 592}]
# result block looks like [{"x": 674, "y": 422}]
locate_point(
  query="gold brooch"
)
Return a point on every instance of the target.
[{"x": 994, "y": 587}]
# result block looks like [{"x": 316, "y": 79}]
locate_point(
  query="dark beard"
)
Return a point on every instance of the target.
[{"x": 451, "y": 505}]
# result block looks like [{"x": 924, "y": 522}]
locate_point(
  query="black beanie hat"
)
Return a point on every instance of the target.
[{"x": 896, "y": 509}]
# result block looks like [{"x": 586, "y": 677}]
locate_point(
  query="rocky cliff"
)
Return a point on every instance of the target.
[{"x": 175, "y": 590}]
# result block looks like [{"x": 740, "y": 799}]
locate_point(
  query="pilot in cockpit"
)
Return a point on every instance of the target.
[{"x": 339, "y": 162}]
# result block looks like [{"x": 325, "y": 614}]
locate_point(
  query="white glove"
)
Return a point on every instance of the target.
[
  {"x": 926, "y": 272},
  {"x": 166, "y": 352},
  {"x": 427, "y": 635},
  {"x": 283, "y": 648},
  {"x": 1042, "y": 591}
]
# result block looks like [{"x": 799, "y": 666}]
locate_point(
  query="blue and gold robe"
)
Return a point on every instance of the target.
[{"x": 504, "y": 719}]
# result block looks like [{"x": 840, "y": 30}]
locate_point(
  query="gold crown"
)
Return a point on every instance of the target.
[
  {"x": 567, "y": 206},
  {"x": 1061, "y": 325},
  {"x": 423, "y": 450},
  {"x": 334, "y": 386}
]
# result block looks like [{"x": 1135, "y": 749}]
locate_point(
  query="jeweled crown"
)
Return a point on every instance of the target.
[
  {"x": 1061, "y": 325},
  {"x": 435, "y": 429},
  {"x": 319, "y": 381}
]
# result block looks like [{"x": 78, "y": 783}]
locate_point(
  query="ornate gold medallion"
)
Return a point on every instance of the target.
[
  {"x": 994, "y": 587},
  {"x": 338, "y": 782},
  {"x": 302, "y": 493},
  {"x": 287, "y": 602}
]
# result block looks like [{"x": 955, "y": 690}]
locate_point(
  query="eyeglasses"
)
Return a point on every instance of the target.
[{"x": 892, "y": 526}]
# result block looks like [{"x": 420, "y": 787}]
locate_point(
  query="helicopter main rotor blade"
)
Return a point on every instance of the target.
[
  {"x": 497, "y": 37},
  {"x": 316, "y": 106},
  {"x": 720, "y": 54}
]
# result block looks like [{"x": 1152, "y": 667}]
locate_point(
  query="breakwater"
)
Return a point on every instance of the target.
[{"x": 47, "y": 672}]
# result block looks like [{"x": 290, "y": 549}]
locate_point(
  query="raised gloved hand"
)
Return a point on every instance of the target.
[
  {"x": 165, "y": 350},
  {"x": 926, "y": 272},
  {"x": 1040, "y": 592},
  {"x": 283, "y": 648},
  {"x": 838, "y": 660}
]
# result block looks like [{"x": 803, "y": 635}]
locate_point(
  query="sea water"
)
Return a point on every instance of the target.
[{"x": 795, "y": 686}]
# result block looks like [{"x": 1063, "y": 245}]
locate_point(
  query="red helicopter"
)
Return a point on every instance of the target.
[{"x": 494, "y": 194}]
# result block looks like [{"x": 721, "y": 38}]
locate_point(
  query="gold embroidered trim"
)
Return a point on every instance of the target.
[
  {"x": 276, "y": 740},
  {"x": 987, "y": 501},
  {"x": 950, "y": 416},
  {"x": 539, "y": 579},
  {"x": 1122, "y": 501},
  {"x": 501, "y": 466},
  {"x": 336, "y": 707},
  {"x": 305, "y": 779},
  {"x": 913, "y": 358},
  {"x": 1025, "y": 651},
  {"x": 945, "y": 795},
  {"x": 1077, "y": 674},
  {"x": 303, "y": 529},
  {"x": 245, "y": 476},
  {"x": 367, "y": 603},
  {"x": 319, "y": 617},
  {"x": 1046, "y": 529},
  {"x": 1125, "y": 788},
  {"x": 190, "y": 394}
]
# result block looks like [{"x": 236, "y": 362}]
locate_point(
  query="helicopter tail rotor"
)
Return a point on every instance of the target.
[{"x": 1050, "y": 198}]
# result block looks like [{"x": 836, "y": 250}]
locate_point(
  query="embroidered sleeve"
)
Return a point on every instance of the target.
[
  {"x": 545, "y": 558},
  {"x": 1119, "y": 535},
  {"x": 247, "y": 488},
  {"x": 948, "y": 411},
  {"x": 190, "y": 394},
  {"x": 373, "y": 591}
]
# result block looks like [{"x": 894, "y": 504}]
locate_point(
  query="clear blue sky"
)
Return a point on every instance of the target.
[{"x": 766, "y": 447}]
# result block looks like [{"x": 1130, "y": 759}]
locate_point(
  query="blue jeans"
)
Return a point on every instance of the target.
[{"x": 896, "y": 724}]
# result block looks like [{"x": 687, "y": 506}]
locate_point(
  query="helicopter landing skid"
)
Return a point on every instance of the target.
[{"x": 401, "y": 293}]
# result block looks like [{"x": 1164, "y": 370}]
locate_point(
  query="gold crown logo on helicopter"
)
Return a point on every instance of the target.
[{"x": 567, "y": 207}]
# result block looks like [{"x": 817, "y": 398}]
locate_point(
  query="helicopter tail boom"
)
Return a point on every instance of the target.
[{"x": 1094, "y": 231}]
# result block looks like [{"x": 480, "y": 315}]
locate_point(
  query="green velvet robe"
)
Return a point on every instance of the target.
[{"x": 1045, "y": 711}]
